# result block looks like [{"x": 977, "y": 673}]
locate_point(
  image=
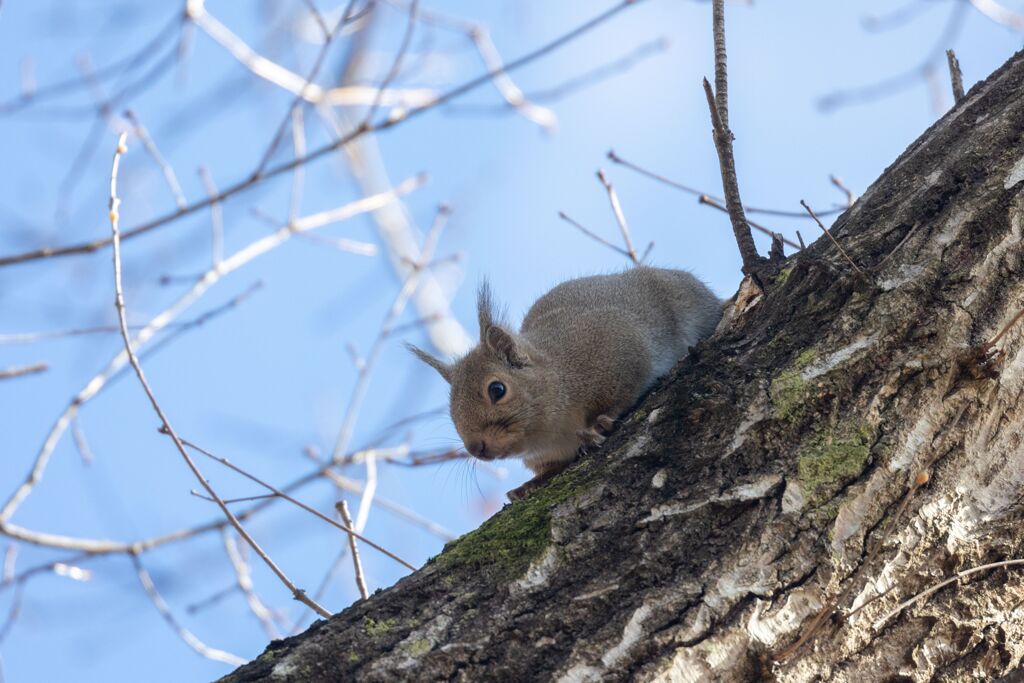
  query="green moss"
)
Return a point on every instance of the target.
[
  {"x": 783, "y": 276},
  {"x": 418, "y": 648},
  {"x": 516, "y": 536},
  {"x": 353, "y": 657},
  {"x": 377, "y": 627},
  {"x": 789, "y": 389},
  {"x": 831, "y": 460}
]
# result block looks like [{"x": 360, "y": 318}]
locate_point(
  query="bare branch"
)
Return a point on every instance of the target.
[
  {"x": 593, "y": 235},
  {"x": 22, "y": 370},
  {"x": 134, "y": 361},
  {"x": 243, "y": 578},
  {"x": 880, "y": 622},
  {"x": 613, "y": 155},
  {"x": 342, "y": 508},
  {"x": 165, "y": 168},
  {"x": 838, "y": 182},
  {"x": 240, "y": 258},
  {"x": 956, "y": 77},
  {"x": 620, "y": 217},
  {"x": 829, "y": 234},
  {"x": 284, "y": 167},
  {"x": 165, "y": 611},
  {"x": 216, "y": 217},
  {"x": 710, "y": 201},
  {"x": 281, "y": 494}
]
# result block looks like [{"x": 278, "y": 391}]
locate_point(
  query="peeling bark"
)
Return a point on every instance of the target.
[{"x": 773, "y": 483}]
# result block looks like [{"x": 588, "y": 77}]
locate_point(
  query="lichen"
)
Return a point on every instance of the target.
[
  {"x": 418, "y": 648},
  {"x": 377, "y": 627},
  {"x": 783, "y": 276},
  {"x": 353, "y": 658},
  {"x": 512, "y": 539},
  {"x": 789, "y": 390},
  {"x": 830, "y": 460}
]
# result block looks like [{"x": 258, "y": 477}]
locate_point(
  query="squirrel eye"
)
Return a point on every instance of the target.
[{"x": 495, "y": 390}]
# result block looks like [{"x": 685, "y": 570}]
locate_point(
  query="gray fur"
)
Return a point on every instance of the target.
[{"x": 586, "y": 351}]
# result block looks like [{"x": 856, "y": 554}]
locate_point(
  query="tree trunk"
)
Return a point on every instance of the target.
[{"x": 844, "y": 438}]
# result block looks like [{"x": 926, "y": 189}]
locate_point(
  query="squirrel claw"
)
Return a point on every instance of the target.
[
  {"x": 604, "y": 423},
  {"x": 590, "y": 437}
]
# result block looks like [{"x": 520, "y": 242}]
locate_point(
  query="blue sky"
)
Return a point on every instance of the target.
[{"x": 271, "y": 377}]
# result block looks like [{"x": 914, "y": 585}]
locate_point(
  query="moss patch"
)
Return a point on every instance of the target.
[
  {"x": 789, "y": 390},
  {"x": 377, "y": 627},
  {"x": 830, "y": 461},
  {"x": 783, "y": 275},
  {"x": 515, "y": 537}
]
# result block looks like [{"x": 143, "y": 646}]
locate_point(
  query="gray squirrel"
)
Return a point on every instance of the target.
[{"x": 586, "y": 352}]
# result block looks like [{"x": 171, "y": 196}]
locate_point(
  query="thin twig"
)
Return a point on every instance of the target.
[
  {"x": 21, "y": 370},
  {"x": 406, "y": 291},
  {"x": 613, "y": 156},
  {"x": 829, "y": 234},
  {"x": 1006, "y": 328},
  {"x": 10, "y": 557},
  {"x": 342, "y": 508},
  {"x": 81, "y": 444},
  {"x": 955, "y": 75},
  {"x": 165, "y": 168},
  {"x": 115, "y": 202},
  {"x": 298, "y": 175},
  {"x": 620, "y": 217},
  {"x": 281, "y": 494},
  {"x": 198, "y": 321},
  {"x": 396, "y": 65},
  {"x": 216, "y": 217},
  {"x": 480, "y": 37},
  {"x": 165, "y": 611},
  {"x": 301, "y": 95},
  {"x": 593, "y": 235},
  {"x": 711, "y": 201},
  {"x": 243, "y": 578},
  {"x": 838, "y": 182},
  {"x": 723, "y": 137},
  {"x": 942, "y": 584}
]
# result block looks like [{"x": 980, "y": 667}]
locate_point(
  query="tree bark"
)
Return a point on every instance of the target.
[{"x": 845, "y": 438}]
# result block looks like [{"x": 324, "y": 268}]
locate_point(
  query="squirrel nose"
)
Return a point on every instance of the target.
[{"x": 478, "y": 449}]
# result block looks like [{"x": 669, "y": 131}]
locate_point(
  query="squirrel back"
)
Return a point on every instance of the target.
[{"x": 586, "y": 351}]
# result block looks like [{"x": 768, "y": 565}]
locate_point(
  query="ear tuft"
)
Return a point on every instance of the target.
[
  {"x": 505, "y": 346},
  {"x": 485, "y": 309},
  {"x": 442, "y": 368}
]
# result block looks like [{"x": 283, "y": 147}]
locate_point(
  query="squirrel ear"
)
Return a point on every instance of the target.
[
  {"x": 484, "y": 309},
  {"x": 504, "y": 345},
  {"x": 442, "y": 368}
]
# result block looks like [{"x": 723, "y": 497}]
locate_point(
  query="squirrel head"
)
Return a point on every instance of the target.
[{"x": 501, "y": 391}]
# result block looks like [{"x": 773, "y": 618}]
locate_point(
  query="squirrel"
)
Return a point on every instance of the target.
[{"x": 585, "y": 353}]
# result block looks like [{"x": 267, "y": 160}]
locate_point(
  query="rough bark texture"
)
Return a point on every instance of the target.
[{"x": 769, "y": 483}]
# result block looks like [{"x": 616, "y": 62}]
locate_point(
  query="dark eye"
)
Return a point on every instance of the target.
[{"x": 495, "y": 390}]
